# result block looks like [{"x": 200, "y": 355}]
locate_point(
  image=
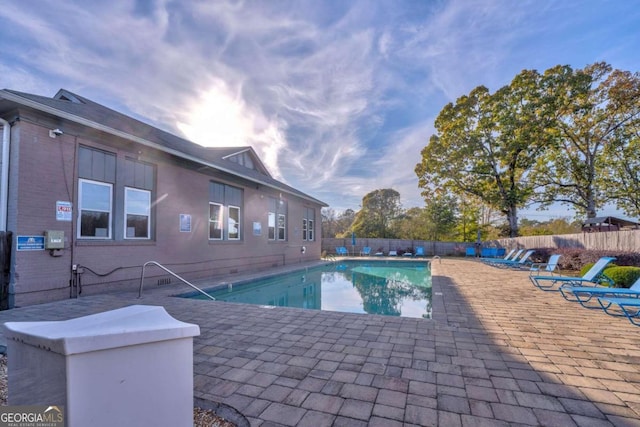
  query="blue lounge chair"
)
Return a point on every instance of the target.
[
  {"x": 584, "y": 294},
  {"x": 545, "y": 267},
  {"x": 594, "y": 275},
  {"x": 627, "y": 307},
  {"x": 366, "y": 251},
  {"x": 514, "y": 256},
  {"x": 470, "y": 251},
  {"x": 342, "y": 251},
  {"x": 517, "y": 263},
  {"x": 419, "y": 251}
]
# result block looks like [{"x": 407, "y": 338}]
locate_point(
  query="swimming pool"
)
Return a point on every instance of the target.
[{"x": 392, "y": 288}]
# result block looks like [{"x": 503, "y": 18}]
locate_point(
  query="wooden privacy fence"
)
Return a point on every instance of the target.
[{"x": 617, "y": 241}]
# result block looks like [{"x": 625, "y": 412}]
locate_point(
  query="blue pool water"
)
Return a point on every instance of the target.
[{"x": 393, "y": 288}]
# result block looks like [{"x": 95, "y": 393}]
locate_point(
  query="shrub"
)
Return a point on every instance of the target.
[{"x": 623, "y": 276}]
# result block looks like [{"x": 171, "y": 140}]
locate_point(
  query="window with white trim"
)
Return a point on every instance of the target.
[
  {"x": 225, "y": 212},
  {"x": 308, "y": 224},
  {"x": 233, "y": 220},
  {"x": 137, "y": 212},
  {"x": 215, "y": 221},
  {"x": 95, "y": 203},
  {"x": 277, "y": 219}
]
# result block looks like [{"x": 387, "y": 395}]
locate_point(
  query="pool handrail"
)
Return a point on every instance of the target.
[{"x": 157, "y": 264}]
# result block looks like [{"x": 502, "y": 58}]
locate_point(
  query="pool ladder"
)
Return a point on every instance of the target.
[{"x": 157, "y": 264}]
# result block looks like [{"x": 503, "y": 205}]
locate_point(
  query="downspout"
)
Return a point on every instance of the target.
[{"x": 4, "y": 178}]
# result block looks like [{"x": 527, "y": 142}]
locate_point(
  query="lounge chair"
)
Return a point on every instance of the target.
[
  {"x": 470, "y": 251},
  {"x": 342, "y": 251},
  {"x": 545, "y": 267},
  {"x": 515, "y": 263},
  {"x": 594, "y": 275},
  {"x": 627, "y": 307},
  {"x": 393, "y": 253},
  {"x": 584, "y": 294},
  {"x": 366, "y": 251},
  {"x": 407, "y": 253},
  {"x": 514, "y": 256},
  {"x": 419, "y": 251}
]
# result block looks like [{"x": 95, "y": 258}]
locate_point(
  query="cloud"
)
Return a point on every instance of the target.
[{"x": 337, "y": 98}]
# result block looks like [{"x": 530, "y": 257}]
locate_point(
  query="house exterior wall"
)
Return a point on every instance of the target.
[{"x": 45, "y": 171}]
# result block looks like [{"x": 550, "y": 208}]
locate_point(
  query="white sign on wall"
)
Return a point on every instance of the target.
[{"x": 64, "y": 211}]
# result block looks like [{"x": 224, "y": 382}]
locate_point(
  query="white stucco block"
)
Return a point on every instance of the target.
[{"x": 127, "y": 367}]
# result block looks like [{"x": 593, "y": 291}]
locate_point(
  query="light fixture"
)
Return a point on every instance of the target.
[{"x": 53, "y": 133}]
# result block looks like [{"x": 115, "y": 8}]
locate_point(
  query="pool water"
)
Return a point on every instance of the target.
[{"x": 392, "y": 288}]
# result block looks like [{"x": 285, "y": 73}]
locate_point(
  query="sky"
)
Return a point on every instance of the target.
[{"x": 337, "y": 97}]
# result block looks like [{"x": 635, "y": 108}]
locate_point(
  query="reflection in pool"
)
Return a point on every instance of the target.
[{"x": 393, "y": 288}]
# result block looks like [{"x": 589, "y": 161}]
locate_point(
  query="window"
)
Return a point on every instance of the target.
[
  {"x": 114, "y": 205},
  {"x": 215, "y": 221},
  {"x": 95, "y": 202},
  {"x": 272, "y": 225},
  {"x": 308, "y": 223},
  {"x": 137, "y": 210},
  {"x": 225, "y": 200},
  {"x": 138, "y": 179},
  {"x": 233, "y": 229},
  {"x": 277, "y": 219},
  {"x": 282, "y": 225}
]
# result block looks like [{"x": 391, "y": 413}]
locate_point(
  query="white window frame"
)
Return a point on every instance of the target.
[
  {"x": 81, "y": 209},
  {"x": 310, "y": 231},
  {"x": 126, "y": 212},
  {"x": 221, "y": 221},
  {"x": 304, "y": 228},
  {"x": 271, "y": 226},
  {"x": 239, "y": 221},
  {"x": 283, "y": 228}
]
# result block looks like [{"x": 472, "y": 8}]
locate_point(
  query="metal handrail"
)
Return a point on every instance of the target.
[{"x": 157, "y": 264}]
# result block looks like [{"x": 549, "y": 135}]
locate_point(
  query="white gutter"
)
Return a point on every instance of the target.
[
  {"x": 4, "y": 177},
  {"x": 125, "y": 135}
]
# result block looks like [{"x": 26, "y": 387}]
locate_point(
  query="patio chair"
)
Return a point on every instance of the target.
[
  {"x": 584, "y": 294},
  {"x": 514, "y": 256},
  {"x": 366, "y": 251},
  {"x": 594, "y": 275},
  {"x": 515, "y": 263},
  {"x": 627, "y": 307},
  {"x": 521, "y": 263},
  {"x": 419, "y": 251},
  {"x": 393, "y": 253},
  {"x": 545, "y": 267},
  {"x": 470, "y": 251},
  {"x": 342, "y": 251}
]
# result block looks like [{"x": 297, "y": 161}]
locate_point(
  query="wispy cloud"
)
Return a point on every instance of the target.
[{"x": 338, "y": 98}]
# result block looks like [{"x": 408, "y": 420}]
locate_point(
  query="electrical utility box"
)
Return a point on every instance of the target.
[{"x": 53, "y": 239}]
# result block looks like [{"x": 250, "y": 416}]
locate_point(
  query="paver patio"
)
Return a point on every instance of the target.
[{"x": 497, "y": 352}]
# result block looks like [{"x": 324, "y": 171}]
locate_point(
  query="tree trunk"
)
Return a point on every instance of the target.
[{"x": 512, "y": 217}]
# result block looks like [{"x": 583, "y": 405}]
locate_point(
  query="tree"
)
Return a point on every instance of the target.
[
  {"x": 411, "y": 225},
  {"x": 622, "y": 178},
  {"x": 591, "y": 109},
  {"x": 334, "y": 225},
  {"x": 486, "y": 145},
  {"x": 440, "y": 213},
  {"x": 379, "y": 209}
]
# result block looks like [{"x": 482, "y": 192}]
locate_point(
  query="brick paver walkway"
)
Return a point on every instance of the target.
[{"x": 498, "y": 352}]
